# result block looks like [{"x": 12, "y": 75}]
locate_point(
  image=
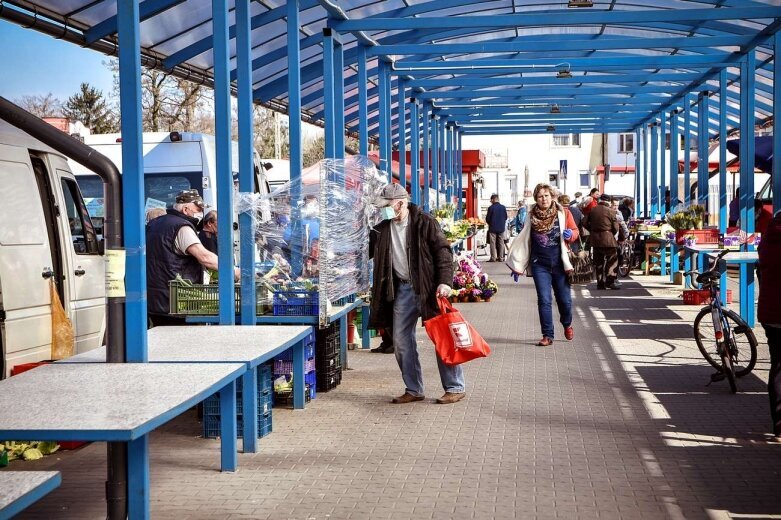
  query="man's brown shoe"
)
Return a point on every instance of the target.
[
  {"x": 545, "y": 342},
  {"x": 451, "y": 397},
  {"x": 407, "y": 398}
]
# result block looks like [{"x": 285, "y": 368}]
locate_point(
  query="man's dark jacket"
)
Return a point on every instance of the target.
[
  {"x": 430, "y": 264},
  {"x": 770, "y": 275},
  {"x": 601, "y": 222},
  {"x": 162, "y": 261},
  {"x": 496, "y": 218}
]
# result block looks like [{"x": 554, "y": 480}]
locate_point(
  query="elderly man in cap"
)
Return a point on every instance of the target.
[
  {"x": 413, "y": 266},
  {"x": 603, "y": 224},
  {"x": 173, "y": 248}
]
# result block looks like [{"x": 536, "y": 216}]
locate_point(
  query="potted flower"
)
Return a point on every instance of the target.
[{"x": 690, "y": 240}]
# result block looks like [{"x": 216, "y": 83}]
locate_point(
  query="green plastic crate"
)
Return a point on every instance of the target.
[{"x": 204, "y": 300}]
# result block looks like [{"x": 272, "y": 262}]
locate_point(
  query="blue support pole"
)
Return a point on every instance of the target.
[
  {"x": 132, "y": 182},
  {"x": 777, "y": 123},
  {"x": 723, "y": 203},
  {"x": 299, "y": 385},
  {"x": 138, "y": 473},
  {"x": 426, "y": 121},
  {"x": 338, "y": 98},
  {"x": 460, "y": 173},
  {"x": 383, "y": 78},
  {"x": 451, "y": 166},
  {"x": 435, "y": 156},
  {"x": 222, "y": 145},
  {"x": 329, "y": 91},
  {"x": 646, "y": 169},
  {"x": 654, "y": 170},
  {"x": 703, "y": 166},
  {"x": 687, "y": 153},
  {"x": 674, "y": 144},
  {"x": 414, "y": 118},
  {"x": 294, "y": 97},
  {"x": 228, "y": 457},
  {"x": 663, "y": 164},
  {"x": 387, "y": 129},
  {"x": 363, "y": 102},
  {"x": 747, "y": 107},
  {"x": 638, "y": 162},
  {"x": 446, "y": 160},
  {"x": 246, "y": 170},
  {"x": 249, "y": 400},
  {"x": 401, "y": 109},
  {"x": 442, "y": 157}
]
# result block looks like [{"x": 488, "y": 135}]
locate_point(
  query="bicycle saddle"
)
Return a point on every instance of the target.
[{"x": 708, "y": 277}]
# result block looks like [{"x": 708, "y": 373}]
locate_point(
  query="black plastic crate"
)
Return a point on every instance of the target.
[
  {"x": 211, "y": 426},
  {"x": 329, "y": 378},
  {"x": 329, "y": 362},
  {"x": 285, "y": 399}
]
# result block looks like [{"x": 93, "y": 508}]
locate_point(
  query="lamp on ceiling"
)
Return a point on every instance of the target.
[
  {"x": 551, "y": 128},
  {"x": 563, "y": 71},
  {"x": 580, "y": 3},
  {"x": 554, "y": 109}
]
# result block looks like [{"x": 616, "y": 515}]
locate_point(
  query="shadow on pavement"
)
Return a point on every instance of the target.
[{"x": 643, "y": 331}]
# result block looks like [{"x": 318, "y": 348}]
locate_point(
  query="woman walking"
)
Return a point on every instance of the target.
[{"x": 542, "y": 251}]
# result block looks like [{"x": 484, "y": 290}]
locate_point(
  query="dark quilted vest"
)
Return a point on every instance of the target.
[{"x": 162, "y": 262}]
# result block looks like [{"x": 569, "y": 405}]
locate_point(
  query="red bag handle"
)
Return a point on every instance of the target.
[{"x": 445, "y": 306}]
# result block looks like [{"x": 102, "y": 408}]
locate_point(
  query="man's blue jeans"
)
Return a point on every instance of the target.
[
  {"x": 406, "y": 310},
  {"x": 547, "y": 277}
]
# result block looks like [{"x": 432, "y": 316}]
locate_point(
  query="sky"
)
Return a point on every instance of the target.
[{"x": 34, "y": 63}]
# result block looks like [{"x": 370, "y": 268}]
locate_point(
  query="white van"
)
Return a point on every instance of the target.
[
  {"x": 173, "y": 162},
  {"x": 45, "y": 235}
]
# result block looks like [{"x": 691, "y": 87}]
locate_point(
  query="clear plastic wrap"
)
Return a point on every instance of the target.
[{"x": 312, "y": 253}]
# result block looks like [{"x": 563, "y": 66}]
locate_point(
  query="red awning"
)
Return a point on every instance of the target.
[{"x": 616, "y": 169}]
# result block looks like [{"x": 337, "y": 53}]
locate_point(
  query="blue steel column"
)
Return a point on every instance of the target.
[
  {"x": 776, "y": 123},
  {"x": 654, "y": 170},
  {"x": 442, "y": 157},
  {"x": 638, "y": 140},
  {"x": 426, "y": 156},
  {"x": 329, "y": 91},
  {"x": 435, "y": 156},
  {"x": 723, "y": 216},
  {"x": 402, "y": 111},
  {"x": 388, "y": 128},
  {"x": 414, "y": 153},
  {"x": 446, "y": 171},
  {"x": 674, "y": 144},
  {"x": 339, "y": 126},
  {"x": 747, "y": 104},
  {"x": 460, "y": 173},
  {"x": 646, "y": 170},
  {"x": 363, "y": 111},
  {"x": 382, "y": 101},
  {"x": 687, "y": 154},
  {"x": 452, "y": 184},
  {"x": 663, "y": 164},
  {"x": 132, "y": 181},
  {"x": 222, "y": 145},
  {"x": 702, "y": 151},
  {"x": 246, "y": 172},
  {"x": 294, "y": 96}
]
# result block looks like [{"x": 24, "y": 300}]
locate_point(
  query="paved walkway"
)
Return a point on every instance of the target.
[{"x": 618, "y": 423}]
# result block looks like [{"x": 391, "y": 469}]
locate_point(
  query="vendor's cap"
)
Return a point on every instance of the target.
[
  {"x": 193, "y": 196},
  {"x": 605, "y": 198},
  {"x": 390, "y": 193}
]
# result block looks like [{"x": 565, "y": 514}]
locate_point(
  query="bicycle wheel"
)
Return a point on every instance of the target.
[
  {"x": 739, "y": 337},
  {"x": 626, "y": 259},
  {"x": 729, "y": 371}
]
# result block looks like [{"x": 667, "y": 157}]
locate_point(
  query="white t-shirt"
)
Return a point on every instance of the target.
[
  {"x": 399, "y": 248},
  {"x": 185, "y": 237}
]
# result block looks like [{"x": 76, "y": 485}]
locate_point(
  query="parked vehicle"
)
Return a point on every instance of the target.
[{"x": 46, "y": 237}]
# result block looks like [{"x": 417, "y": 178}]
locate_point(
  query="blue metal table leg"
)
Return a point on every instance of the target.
[
  {"x": 746, "y": 295},
  {"x": 750, "y": 295},
  {"x": 687, "y": 266},
  {"x": 299, "y": 385},
  {"x": 723, "y": 281},
  {"x": 249, "y": 405},
  {"x": 663, "y": 261},
  {"x": 673, "y": 261},
  {"x": 228, "y": 444},
  {"x": 343, "y": 339},
  {"x": 365, "y": 339},
  {"x": 138, "y": 478}
]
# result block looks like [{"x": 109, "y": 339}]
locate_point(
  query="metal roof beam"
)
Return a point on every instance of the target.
[
  {"x": 563, "y": 17},
  {"x": 146, "y": 10},
  {"x": 542, "y": 92},
  {"x": 682, "y": 77}
]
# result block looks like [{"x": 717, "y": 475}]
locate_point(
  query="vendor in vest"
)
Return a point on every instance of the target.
[{"x": 173, "y": 248}]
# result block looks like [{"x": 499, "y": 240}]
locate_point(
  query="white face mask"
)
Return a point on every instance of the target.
[{"x": 198, "y": 216}]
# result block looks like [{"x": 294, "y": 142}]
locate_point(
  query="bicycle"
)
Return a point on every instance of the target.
[
  {"x": 726, "y": 336},
  {"x": 629, "y": 258}
]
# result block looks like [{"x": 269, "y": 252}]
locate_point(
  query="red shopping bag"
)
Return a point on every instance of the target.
[{"x": 455, "y": 339}]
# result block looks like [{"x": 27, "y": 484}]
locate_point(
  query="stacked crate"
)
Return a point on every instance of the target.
[
  {"x": 328, "y": 359},
  {"x": 211, "y": 408},
  {"x": 283, "y": 366}
]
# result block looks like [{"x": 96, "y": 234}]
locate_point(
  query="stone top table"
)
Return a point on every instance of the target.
[
  {"x": 251, "y": 345},
  {"x": 746, "y": 260},
  {"x": 117, "y": 402},
  {"x": 20, "y": 489}
]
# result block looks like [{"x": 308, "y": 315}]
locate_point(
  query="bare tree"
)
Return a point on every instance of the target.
[
  {"x": 314, "y": 150},
  {"x": 41, "y": 105}
]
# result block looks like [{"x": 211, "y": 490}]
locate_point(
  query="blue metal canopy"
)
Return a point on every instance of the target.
[{"x": 521, "y": 55}]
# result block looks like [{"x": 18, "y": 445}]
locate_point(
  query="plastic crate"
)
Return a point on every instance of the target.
[
  {"x": 702, "y": 236},
  {"x": 211, "y": 406},
  {"x": 211, "y": 426},
  {"x": 309, "y": 350},
  {"x": 701, "y": 297},
  {"x": 284, "y": 366},
  {"x": 328, "y": 379},
  {"x": 344, "y": 301},
  {"x": 285, "y": 399},
  {"x": 204, "y": 299},
  {"x": 296, "y": 303},
  {"x": 328, "y": 363}
]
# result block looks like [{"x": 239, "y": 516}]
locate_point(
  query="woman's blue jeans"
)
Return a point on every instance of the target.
[
  {"x": 547, "y": 277},
  {"x": 406, "y": 311}
]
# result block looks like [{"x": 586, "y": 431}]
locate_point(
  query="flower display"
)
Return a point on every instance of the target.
[{"x": 470, "y": 283}]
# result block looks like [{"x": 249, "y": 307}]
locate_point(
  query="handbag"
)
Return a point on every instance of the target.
[
  {"x": 582, "y": 267},
  {"x": 455, "y": 340}
]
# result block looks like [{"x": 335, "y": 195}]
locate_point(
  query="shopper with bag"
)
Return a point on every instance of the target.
[
  {"x": 542, "y": 250},
  {"x": 604, "y": 227},
  {"x": 413, "y": 265}
]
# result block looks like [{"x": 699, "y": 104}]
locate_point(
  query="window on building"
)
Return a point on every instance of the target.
[
  {"x": 566, "y": 140},
  {"x": 626, "y": 143},
  {"x": 584, "y": 178}
]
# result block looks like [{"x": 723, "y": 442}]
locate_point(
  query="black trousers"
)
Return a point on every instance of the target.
[
  {"x": 605, "y": 264},
  {"x": 774, "y": 378}
]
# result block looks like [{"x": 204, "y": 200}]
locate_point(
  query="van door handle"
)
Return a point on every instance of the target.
[
  {"x": 47, "y": 272},
  {"x": 79, "y": 272}
]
